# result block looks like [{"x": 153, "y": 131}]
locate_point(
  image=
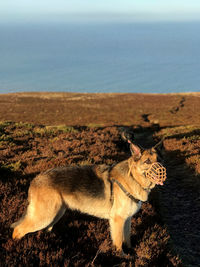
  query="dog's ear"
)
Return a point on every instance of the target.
[
  {"x": 159, "y": 147},
  {"x": 135, "y": 151},
  {"x": 127, "y": 135}
]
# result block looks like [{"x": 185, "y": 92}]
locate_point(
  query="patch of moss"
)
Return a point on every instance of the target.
[
  {"x": 14, "y": 166},
  {"x": 21, "y": 133},
  {"x": 61, "y": 128},
  {"x": 53, "y": 130},
  {"x": 28, "y": 126},
  {"x": 3, "y": 125},
  {"x": 95, "y": 125}
]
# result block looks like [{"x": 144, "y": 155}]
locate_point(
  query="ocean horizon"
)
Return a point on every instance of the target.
[{"x": 159, "y": 57}]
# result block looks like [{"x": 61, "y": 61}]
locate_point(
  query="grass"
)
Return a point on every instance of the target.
[
  {"x": 95, "y": 125},
  {"x": 53, "y": 130},
  {"x": 186, "y": 140},
  {"x": 5, "y": 137},
  {"x": 10, "y": 132},
  {"x": 61, "y": 128},
  {"x": 189, "y": 132},
  {"x": 86, "y": 162}
]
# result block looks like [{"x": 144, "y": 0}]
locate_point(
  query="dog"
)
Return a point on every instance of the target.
[{"x": 113, "y": 192}]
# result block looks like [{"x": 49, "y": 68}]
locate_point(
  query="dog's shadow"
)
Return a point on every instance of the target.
[
  {"x": 180, "y": 205},
  {"x": 79, "y": 228}
]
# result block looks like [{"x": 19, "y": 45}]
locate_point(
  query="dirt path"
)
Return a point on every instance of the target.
[{"x": 179, "y": 199}]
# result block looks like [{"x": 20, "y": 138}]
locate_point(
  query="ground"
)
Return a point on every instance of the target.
[{"x": 41, "y": 131}]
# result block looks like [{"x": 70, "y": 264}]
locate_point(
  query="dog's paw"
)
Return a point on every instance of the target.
[
  {"x": 17, "y": 234},
  {"x": 49, "y": 229}
]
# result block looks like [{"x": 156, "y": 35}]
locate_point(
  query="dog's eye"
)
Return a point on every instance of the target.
[{"x": 147, "y": 161}]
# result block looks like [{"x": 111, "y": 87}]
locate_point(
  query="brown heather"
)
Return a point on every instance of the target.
[{"x": 166, "y": 230}]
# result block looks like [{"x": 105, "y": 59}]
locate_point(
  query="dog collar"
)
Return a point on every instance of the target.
[{"x": 125, "y": 191}]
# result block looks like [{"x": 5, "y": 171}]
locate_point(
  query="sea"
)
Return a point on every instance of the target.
[{"x": 141, "y": 57}]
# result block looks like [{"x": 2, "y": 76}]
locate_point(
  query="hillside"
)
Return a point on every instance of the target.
[{"x": 43, "y": 130}]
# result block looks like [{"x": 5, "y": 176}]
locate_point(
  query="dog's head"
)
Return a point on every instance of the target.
[{"x": 146, "y": 165}]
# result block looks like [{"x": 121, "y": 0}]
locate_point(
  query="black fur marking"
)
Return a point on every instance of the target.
[{"x": 81, "y": 179}]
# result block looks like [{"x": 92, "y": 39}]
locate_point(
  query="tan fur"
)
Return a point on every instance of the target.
[{"x": 52, "y": 192}]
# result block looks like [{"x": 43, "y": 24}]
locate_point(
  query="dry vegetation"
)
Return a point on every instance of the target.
[{"x": 166, "y": 230}]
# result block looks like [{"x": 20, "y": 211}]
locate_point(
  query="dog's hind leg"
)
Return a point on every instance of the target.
[
  {"x": 57, "y": 218},
  {"x": 13, "y": 225},
  {"x": 44, "y": 205}
]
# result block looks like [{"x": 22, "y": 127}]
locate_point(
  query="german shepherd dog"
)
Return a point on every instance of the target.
[{"x": 111, "y": 192}]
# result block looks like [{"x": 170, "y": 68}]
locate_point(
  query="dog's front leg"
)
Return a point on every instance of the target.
[
  {"x": 127, "y": 233},
  {"x": 117, "y": 231}
]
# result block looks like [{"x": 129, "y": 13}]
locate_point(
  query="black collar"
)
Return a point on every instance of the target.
[{"x": 125, "y": 191}]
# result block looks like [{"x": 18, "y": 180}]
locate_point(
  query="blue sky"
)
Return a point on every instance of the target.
[{"x": 30, "y": 10}]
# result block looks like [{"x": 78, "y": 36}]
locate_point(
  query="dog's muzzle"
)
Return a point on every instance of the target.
[{"x": 156, "y": 173}]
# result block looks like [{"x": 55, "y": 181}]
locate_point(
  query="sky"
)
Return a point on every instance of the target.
[{"x": 122, "y": 10}]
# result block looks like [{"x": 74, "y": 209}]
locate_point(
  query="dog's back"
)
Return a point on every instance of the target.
[{"x": 86, "y": 180}]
